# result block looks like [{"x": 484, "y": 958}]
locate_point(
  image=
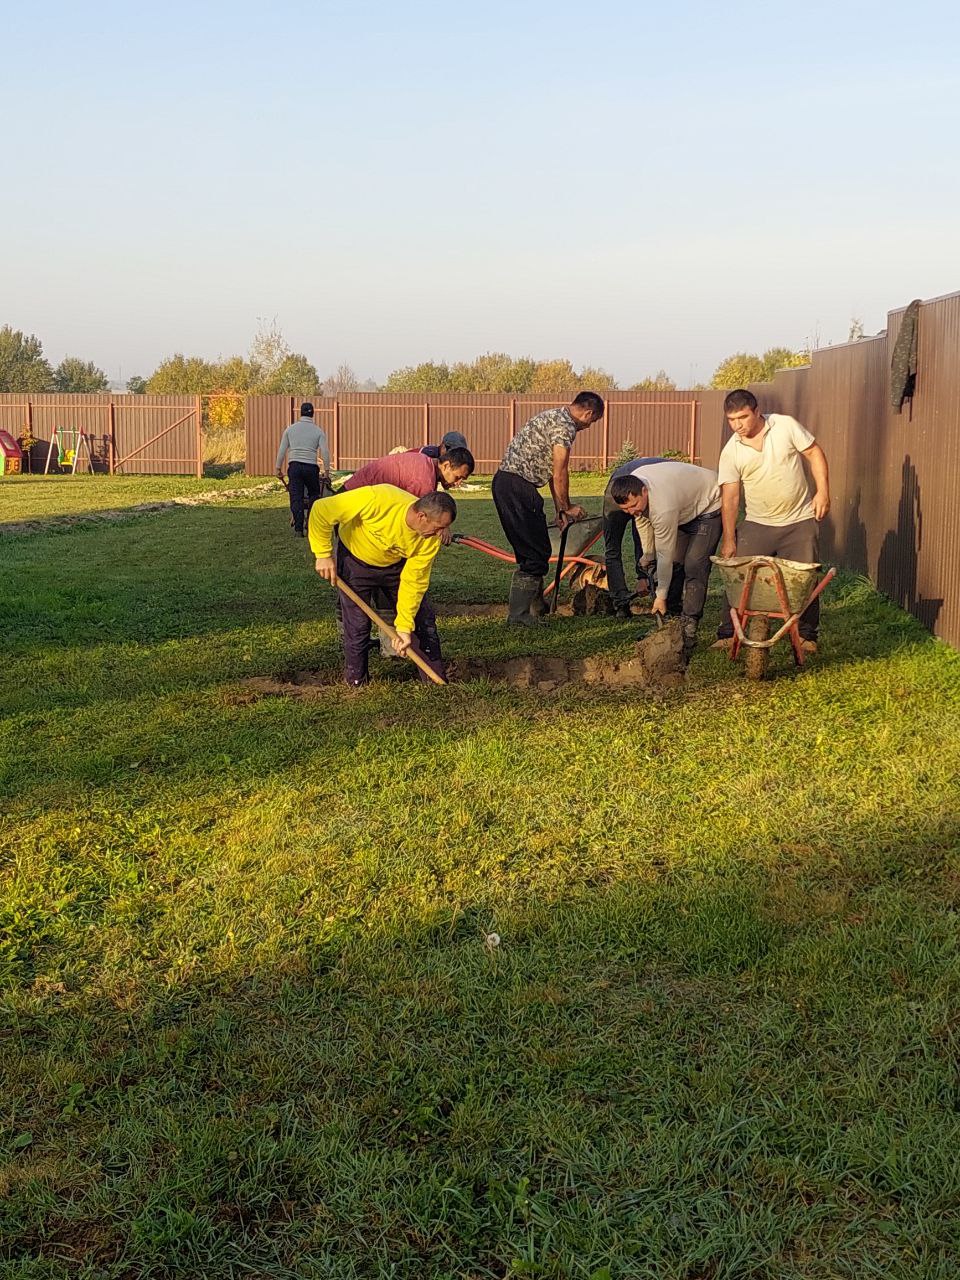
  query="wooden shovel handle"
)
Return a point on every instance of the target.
[{"x": 375, "y": 617}]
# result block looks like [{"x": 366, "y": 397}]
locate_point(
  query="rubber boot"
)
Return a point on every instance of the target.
[
  {"x": 525, "y": 591},
  {"x": 538, "y": 606}
]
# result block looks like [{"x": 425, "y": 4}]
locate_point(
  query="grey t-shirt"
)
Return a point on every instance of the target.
[
  {"x": 678, "y": 492},
  {"x": 530, "y": 453}
]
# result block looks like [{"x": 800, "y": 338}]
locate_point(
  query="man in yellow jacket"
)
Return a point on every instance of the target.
[{"x": 387, "y": 542}]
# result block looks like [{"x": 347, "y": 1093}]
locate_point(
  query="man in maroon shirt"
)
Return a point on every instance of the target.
[
  {"x": 416, "y": 472},
  {"x": 419, "y": 475}
]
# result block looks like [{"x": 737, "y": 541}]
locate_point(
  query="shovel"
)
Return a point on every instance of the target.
[{"x": 385, "y": 626}]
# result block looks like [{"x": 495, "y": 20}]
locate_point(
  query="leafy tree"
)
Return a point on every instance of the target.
[
  {"x": 183, "y": 375},
  {"x": 595, "y": 380},
  {"x": 136, "y": 385},
  {"x": 79, "y": 377},
  {"x": 494, "y": 371},
  {"x": 737, "y": 371},
  {"x": 659, "y": 381},
  {"x": 741, "y": 369},
  {"x": 23, "y": 366},
  {"x": 782, "y": 358},
  {"x": 554, "y": 378},
  {"x": 419, "y": 378}
]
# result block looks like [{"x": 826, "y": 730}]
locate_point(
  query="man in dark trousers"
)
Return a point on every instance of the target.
[
  {"x": 538, "y": 454},
  {"x": 418, "y": 473},
  {"x": 300, "y": 444},
  {"x": 615, "y": 521},
  {"x": 682, "y": 503},
  {"x": 388, "y": 541}
]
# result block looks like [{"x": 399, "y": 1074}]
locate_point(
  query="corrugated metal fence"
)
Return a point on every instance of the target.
[
  {"x": 130, "y": 435},
  {"x": 894, "y": 478},
  {"x": 364, "y": 426}
]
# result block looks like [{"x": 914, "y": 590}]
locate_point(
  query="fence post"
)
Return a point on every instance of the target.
[
  {"x": 606, "y": 432},
  {"x": 335, "y": 433},
  {"x": 199, "y": 413},
  {"x": 513, "y": 417},
  {"x": 111, "y": 429},
  {"x": 693, "y": 430},
  {"x": 426, "y": 422},
  {"x": 30, "y": 434}
]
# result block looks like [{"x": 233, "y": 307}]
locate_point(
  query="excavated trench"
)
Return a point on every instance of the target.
[{"x": 656, "y": 662}]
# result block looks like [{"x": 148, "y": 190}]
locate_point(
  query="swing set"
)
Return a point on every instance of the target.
[{"x": 68, "y": 443}]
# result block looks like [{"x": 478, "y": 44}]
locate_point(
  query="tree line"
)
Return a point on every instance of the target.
[{"x": 272, "y": 367}]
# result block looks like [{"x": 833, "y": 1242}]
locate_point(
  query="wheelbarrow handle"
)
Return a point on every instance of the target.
[{"x": 556, "y": 581}]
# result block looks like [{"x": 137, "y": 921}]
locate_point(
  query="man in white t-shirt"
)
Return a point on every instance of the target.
[{"x": 764, "y": 459}]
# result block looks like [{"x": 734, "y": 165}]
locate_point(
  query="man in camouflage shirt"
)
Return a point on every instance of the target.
[{"x": 538, "y": 454}]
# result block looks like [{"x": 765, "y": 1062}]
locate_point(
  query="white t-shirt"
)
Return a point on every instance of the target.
[{"x": 775, "y": 487}]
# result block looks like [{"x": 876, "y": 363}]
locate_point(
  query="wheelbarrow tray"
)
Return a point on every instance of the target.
[
  {"x": 799, "y": 579},
  {"x": 580, "y": 536}
]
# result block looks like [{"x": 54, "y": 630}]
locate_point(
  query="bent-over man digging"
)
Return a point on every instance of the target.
[
  {"x": 682, "y": 503},
  {"x": 387, "y": 543}
]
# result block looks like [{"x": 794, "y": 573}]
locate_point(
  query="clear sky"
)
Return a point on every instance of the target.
[{"x": 631, "y": 185}]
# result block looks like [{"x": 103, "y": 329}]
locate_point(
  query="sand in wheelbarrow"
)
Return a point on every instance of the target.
[{"x": 656, "y": 662}]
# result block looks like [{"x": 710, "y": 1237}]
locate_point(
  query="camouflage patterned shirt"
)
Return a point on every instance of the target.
[{"x": 530, "y": 453}]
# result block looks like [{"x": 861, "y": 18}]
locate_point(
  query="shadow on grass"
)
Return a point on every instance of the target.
[{"x": 678, "y": 1076}]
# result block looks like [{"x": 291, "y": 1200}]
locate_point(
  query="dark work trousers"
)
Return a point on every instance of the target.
[
  {"x": 369, "y": 581},
  {"x": 304, "y": 481},
  {"x": 520, "y": 508},
  {"x": 800, "y": 541},
  {"x": 615, "y": 521},
  {"x": 696, "y": 542}
]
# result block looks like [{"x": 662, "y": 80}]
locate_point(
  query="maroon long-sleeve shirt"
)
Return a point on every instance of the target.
[{"x": 411, "y": 471}]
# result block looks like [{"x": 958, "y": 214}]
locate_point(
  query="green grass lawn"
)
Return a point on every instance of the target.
[
  {"x": 250, "y": 1026},
  {"x": 34, "y": 497}
]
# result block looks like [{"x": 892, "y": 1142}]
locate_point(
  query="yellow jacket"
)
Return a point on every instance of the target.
[{"x": 373, "y": 528}]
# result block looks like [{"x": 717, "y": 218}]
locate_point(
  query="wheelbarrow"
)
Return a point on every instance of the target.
[
  {"x": 574, "y": 543},
  {"x": 767, "y": 589}
]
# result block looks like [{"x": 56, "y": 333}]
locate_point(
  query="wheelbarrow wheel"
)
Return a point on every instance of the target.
[{"x": 755, "y": 660}]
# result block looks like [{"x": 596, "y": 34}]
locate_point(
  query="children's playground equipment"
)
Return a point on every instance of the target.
[
  {"x": 11, "y": 455},
  {"x": 69, "y": 443}
]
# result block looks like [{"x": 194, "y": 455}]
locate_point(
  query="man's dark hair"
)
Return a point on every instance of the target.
[
  {"x": 460, "y": 458},
  {"x": 436, "y": 505},
  {"x": 306, "y": 409},
  {"x": 625, "y": 487},
  {"x": 590, "y": 400},
  {"x": 738, "y": 400}
]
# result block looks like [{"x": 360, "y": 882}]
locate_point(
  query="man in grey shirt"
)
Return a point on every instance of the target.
[
  {"x": 300, "y": 444},
  {"x": 682, "y": 503}
]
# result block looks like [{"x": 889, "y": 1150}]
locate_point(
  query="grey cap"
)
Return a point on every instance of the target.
[{"x": 454, "y": 440}]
